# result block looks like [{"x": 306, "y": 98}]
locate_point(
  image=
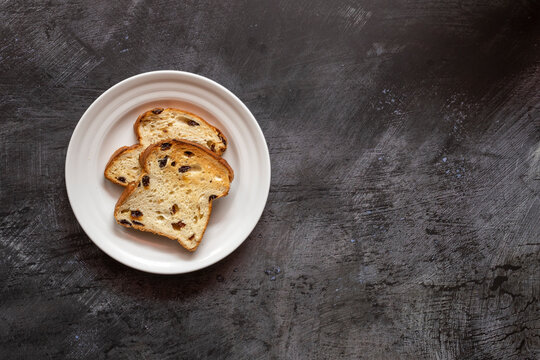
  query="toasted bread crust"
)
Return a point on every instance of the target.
[
  {"x": 113, "y": 157},
  {"x": 133, "y": 185}
]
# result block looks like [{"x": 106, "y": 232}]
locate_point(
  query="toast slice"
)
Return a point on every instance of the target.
[
  {"x": 156, "y": 125},
  {"x": 123, "y": 166},
  {"x": 174, "y": 193}
]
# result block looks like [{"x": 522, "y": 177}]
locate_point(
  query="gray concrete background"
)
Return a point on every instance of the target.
[{"x": 404, "y": 211}]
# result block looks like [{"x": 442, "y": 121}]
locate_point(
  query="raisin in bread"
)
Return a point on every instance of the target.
[
  {"x": 156, "y": 125},
  {"x": 175, "y": 191}
]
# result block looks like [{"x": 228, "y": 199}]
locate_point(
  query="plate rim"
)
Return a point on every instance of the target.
[{"x": 195, "y": 77}]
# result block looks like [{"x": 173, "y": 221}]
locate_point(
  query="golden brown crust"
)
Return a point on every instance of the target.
[
  {"x": 113, "y": 158},
  {"x": 223, "y": 139},
  {"x": 137, "y": 123},
  {"x": 133, "y": 185}
]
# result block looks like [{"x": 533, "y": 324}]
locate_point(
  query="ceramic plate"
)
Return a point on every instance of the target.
[{"x": 108, "y": 125}]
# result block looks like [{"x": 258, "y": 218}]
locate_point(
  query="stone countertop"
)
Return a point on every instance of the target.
[{"x": 403, "y": 219}]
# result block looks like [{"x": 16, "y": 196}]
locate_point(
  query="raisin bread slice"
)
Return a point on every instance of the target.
[
  {"x": 156, "y": 125},
  {"x": 124, "y": 167},
  {"x": 174, "y": 194}
]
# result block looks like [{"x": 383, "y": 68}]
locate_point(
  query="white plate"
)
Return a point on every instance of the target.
[{"x": 108, "y": 125}]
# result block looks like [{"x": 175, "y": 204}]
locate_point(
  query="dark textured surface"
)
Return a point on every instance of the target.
[{"x": 404, "y": 211}]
